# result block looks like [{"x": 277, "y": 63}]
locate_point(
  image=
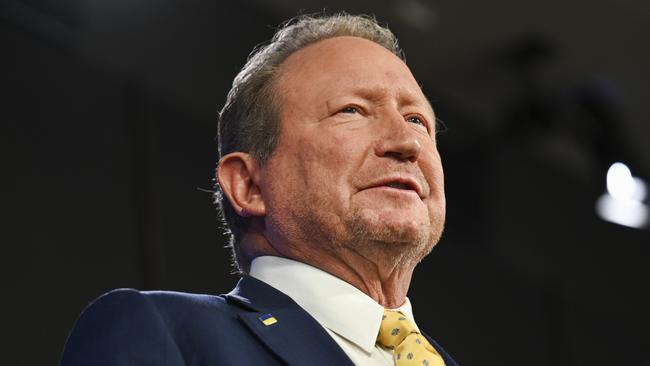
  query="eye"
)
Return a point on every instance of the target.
[
  {"x": 350, "y": 110},
  {"x": 416, "y": 120}
]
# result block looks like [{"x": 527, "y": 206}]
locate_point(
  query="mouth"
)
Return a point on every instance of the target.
[
  {"x": 399, "y": 185},
  {"x": 402, "y": 184}
]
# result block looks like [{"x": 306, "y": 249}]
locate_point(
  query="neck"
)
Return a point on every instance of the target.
[
  {"x": 387, "y": 282},
  {"x": 385, "y": 277},
  {"x": 387, "y": 286}
]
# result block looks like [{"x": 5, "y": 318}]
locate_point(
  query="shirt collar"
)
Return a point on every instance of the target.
[{"x": 334, "y": 303}]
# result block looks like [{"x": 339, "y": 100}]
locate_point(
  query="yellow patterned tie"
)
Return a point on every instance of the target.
[{"x": 408, "y": 345}]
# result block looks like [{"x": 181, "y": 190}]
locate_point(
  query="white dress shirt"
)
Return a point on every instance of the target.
[{"x": 351, "y": 317}]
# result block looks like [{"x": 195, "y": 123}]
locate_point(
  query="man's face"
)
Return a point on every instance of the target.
[{"x": 356, "y": 164}]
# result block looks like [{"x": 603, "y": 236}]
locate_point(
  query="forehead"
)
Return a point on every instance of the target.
[{"x": 347, "y": 65}]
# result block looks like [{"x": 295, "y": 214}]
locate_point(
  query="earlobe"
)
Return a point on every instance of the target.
[{"x": 236, "y": 172}]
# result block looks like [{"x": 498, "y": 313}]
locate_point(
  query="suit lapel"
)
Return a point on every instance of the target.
[
  {"x": 295, "y": 336},
  {"x": 445, "y": 356}
]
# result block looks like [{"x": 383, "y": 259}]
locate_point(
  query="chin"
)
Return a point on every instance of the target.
[
  {"x": 403, "y": 245},
  {"x": 409, "y": 230}
]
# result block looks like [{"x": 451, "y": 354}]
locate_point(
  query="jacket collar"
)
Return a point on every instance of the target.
[
  {"x": 445, "y": 356},
  {"x": 293, "y": 325}
]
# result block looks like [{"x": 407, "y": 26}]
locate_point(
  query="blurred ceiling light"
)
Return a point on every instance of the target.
[
  {"x": 620, "y": 184},
  {"x": 623, "y": 202}
]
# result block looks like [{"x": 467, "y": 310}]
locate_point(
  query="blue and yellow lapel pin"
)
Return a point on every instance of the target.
[{"x": 268, "y": 319}]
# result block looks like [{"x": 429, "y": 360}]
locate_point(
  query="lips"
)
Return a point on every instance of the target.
[
  {"x": 404, "y": 183},
  {"x": 399, "y": 185}
]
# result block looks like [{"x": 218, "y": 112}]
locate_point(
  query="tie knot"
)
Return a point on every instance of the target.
[
  {"x": 395, "y": 326},
  {"x": 409, "y": 347}
]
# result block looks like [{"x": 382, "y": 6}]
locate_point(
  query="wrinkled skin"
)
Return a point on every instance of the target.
[{"x": 355, "y": 185}]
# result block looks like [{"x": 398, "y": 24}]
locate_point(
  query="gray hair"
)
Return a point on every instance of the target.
[{"x": 250, "y": 120}]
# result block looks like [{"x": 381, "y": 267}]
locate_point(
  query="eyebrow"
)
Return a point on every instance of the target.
[{"x": 405, "y": 98}]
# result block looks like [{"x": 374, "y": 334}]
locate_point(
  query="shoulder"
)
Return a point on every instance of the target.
[
  {"x": 163, "y": 298},
  {"x": 126, "y": 319},
  {"x": 128, "y": 305}
]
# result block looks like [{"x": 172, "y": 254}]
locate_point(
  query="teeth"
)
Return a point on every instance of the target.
[{"x": 398, "y": 185}]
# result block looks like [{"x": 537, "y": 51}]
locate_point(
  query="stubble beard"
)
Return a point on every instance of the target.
[
  {"x": 391, "y": 244},
  {"x": 386, "y": 244}
]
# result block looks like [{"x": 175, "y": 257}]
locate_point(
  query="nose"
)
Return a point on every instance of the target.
[{"x": 398, "y": 140}]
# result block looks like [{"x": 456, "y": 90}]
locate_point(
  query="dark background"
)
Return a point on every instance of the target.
[{"x": 108, "y": 122}]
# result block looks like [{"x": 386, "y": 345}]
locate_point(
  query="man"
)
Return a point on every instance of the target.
[{"x": 332, "y": 187}]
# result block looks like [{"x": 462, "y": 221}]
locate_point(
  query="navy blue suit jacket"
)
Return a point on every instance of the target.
[{"x": 129, "y": 327}]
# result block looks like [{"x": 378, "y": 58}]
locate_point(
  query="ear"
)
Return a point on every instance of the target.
[{"x": 237, "y": 175}]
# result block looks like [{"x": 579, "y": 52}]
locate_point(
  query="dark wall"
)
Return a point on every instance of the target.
[
  {"x": 108, "y": 124},
  {"x": 106, "y": 171}
]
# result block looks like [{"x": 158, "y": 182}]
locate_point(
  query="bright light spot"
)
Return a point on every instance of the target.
[
  {"x": 627, "y": 213},
  {"x": 623, "y": 202},
  {"x": 620, "y": 183},
  {"x": 641, "y": 191}
]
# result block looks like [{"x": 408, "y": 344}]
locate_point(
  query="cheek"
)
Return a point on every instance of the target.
[
  {"x": 434, "y": 174},
  {"x": 439, "y": 177},
  {"x": 328, "y": 155},
  {"x": 327, "y": 167},
  {"x": 432, "y": 169}
]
